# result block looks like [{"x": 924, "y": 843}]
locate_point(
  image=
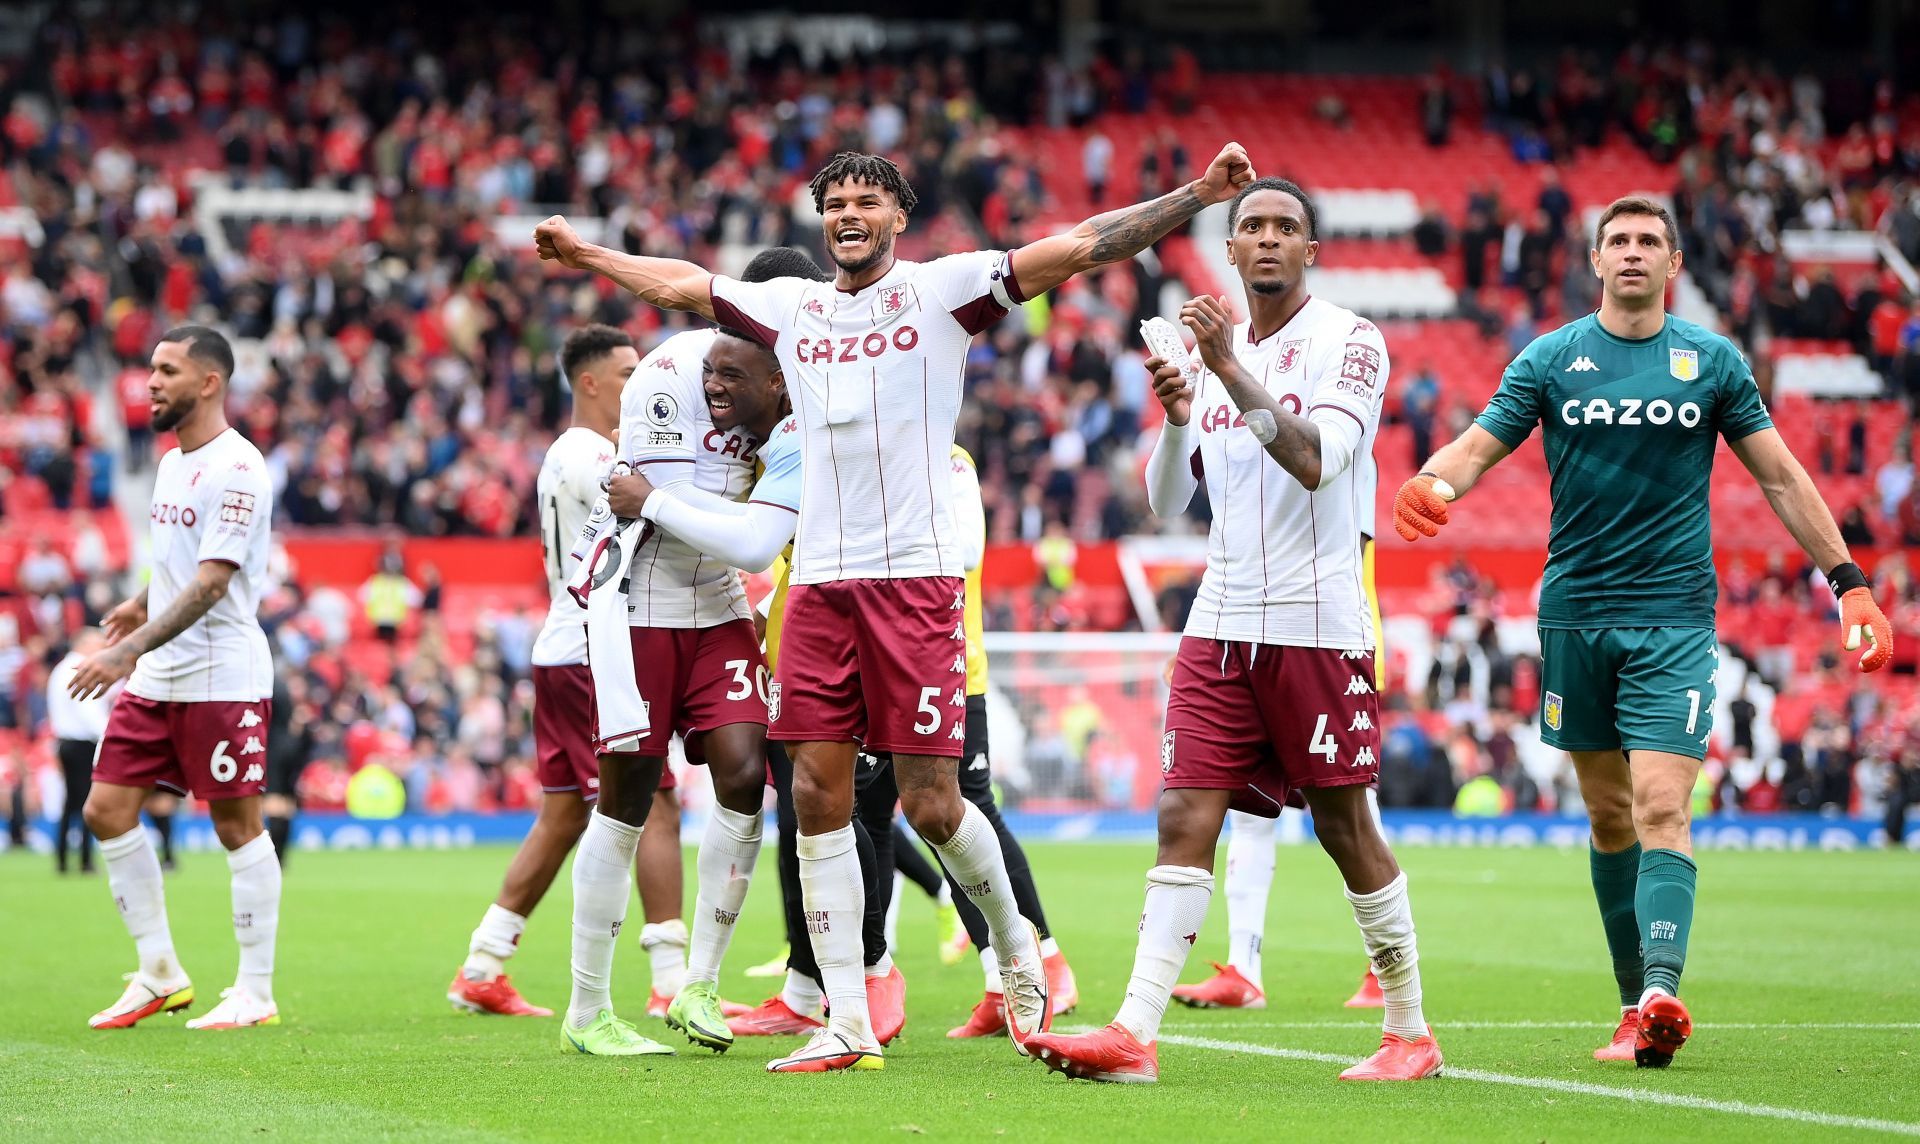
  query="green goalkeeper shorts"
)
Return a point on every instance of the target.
[{"x": 1646, "y": 689}]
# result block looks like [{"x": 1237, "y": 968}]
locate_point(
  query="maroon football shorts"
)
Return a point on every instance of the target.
[
  {"x": 1267, "y": 720},
  {"x": 878, "y": 662},
  {"x": 213, "y": 750}
]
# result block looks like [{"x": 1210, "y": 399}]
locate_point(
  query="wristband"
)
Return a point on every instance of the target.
[
  {"x": 1263, "y": 426},
  {"x": 1844, "y": 578}
]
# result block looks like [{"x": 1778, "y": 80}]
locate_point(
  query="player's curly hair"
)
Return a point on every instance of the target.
[
  {"x": 870, "y": 169},
  {"x": 588, "y": 344},
  {"x": 1284, "y": 186}
]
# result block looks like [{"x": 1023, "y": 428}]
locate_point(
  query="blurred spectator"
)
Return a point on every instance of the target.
[{"x": 388, "y": 597}]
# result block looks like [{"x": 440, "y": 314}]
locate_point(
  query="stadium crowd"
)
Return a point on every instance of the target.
[{"x": 408, "y": 375}]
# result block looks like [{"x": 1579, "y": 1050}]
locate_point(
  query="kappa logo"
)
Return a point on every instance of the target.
[
  {"x": 253, "y": 746},
  {"x": 959, "y": 602},
  {"x": 665, "y": 363},
  {"x": 958, "y": 732},
  {"x": 1354, "y": 653},
  {"x": 960, "y": 662},
  {"x": 1582, "y": 364},
  {"x": 1361, "y": 722},
  {"x": 249, "y": 718},
  {"x": 1290, "y": 353},
  {"x": 978, "y": 762},
  {"x": 1551, "y": 711},
  {"x": 254, "y": 774},
  {"x": 893, "y": 299},
  {"x": 960, "y": 630},
  {"x": 814, "y": 307},
  {"x": 1166, "y": 753},
  {"x": 1358, "y": 685},
  {"x": 1364, "y": 758}
]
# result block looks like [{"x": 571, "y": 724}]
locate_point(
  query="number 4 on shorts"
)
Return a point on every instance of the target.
[{"x": 1323, "y": 743}]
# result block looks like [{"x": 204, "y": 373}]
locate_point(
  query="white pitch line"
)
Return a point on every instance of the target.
[
  {"x": 1779, "y": 1026},
  {"x": 1580, "y": 1088}
]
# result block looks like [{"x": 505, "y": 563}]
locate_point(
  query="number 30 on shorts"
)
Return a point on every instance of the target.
[{"x": 745, "y": 685}]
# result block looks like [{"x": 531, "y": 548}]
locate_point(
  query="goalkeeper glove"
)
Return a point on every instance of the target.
[
  {"x": 1861, "y": 616},
  {"x": 1420, "y": 507}
]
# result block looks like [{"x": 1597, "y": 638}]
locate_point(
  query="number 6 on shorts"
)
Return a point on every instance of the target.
[{"x": 222, "y": 765}]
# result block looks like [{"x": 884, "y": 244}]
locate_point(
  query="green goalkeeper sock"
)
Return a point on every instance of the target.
[
  {"x": 1615, "y": 878},
  {"x": 1663, "y": 905}
]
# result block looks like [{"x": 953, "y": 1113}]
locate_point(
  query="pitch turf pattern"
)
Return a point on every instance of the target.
[{"x": 1803, "y": 985}]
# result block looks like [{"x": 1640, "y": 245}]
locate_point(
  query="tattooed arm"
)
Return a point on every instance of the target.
[
  {"x": 108, "y": 666},
  {"x": 1042, "y": 265}
]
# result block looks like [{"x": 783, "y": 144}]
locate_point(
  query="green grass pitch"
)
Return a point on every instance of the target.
[{"x": 1803, "y": 982}]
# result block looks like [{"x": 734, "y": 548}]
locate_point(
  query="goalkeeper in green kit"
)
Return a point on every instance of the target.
[{"x": 1630, "y": 401}]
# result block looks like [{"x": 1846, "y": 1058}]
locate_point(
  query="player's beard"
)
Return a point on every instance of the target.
[
  {"x": 882, "y": 250},
  {"x": 1275, "y": 287},
  {"x": 173, "y": 413}
]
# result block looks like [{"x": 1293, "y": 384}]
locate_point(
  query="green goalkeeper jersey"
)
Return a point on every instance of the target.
[{"x": 1629, "y": 437}]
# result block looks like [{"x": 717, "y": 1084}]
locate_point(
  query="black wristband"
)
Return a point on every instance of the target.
[{"x": 1844, "y": 578}]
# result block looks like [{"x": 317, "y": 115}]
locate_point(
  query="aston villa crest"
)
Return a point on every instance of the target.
[
  {"x": 1684, "y": 364},
  {"x": 1552, "y": 713},
  {"x": 892, "y": 299}
]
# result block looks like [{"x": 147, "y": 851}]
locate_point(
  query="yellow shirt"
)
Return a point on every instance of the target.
[
  {"x": 976, "y": 644},
  {"x": 973, "y": 617}
]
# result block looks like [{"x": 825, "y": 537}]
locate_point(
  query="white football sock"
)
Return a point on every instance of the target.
[
  {"x": 256, "y": 912},
  {"x": 728, "y": 852},
  {"x": 973, "y": 856},
  {"x": 835, "y": 904},
  {"x": 802, "y": 994},
  {"x": 1048, "y": 947},
  {"x": 1386, "y": 921},
  {"x": 990, "y": 967},
  {"x": 133, "y": 874},
  {"x": 880, "y": 968},
  {"x": 945, "y": 896},
  {"x": 1249, "y": 878},
  {"x": 666, "y": 946},
  {"x": 494, "y": 941},
  {"x": 891, "y": 929},
  {"x": 602, "y": 883},
  {"x": 1176, "y": 908}
]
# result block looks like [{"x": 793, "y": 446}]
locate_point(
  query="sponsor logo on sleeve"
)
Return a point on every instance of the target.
[
  {"x": 236, "y": 509},
  {"x": 1359, "y": 368}
]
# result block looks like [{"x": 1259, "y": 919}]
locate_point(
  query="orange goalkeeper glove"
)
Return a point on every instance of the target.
[
  {"x": 1420, "y": 507},
  {"x": 1861, "y": 616}
]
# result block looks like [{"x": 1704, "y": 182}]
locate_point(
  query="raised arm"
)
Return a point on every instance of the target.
[
  {"x": 108, "y": 666},
  {"x": 670, "y": 283},
  {"x": 1120, "y": 234},
  {"x": 1420, "y": 507}
]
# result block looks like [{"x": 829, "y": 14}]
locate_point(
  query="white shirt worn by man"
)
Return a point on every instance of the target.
[
  {"x": 876, "y": 378},
  {"x": 667, "y": 434},
  {"x": 1283, "y": 562},
  {"x": 214, "y": 503},
  {"x": 569, "y": 484},
  {"x": 81, "y": 720}
]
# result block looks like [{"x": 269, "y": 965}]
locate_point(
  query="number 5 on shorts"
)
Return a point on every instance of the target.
[
  {"x": 927, "y": 696},
  {"x": 222, "y": 766}
]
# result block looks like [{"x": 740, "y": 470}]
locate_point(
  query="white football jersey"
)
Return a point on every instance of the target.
[
  {"x": 667, "y": 434},
  {"x": 876, "y": 377},
  {"x": 1283, "y": 564},
  {"x": 569, "y": 484},
  {"x": 214, "y": 503}
]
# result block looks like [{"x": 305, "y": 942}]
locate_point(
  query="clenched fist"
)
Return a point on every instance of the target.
[
  {"x": 1229, "y": 171},
  {"x": 557, "y": 241}
]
